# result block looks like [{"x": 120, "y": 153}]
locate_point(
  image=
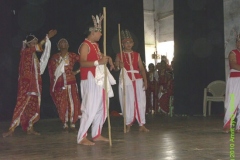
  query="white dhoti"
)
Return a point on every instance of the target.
[
  {"x": 135, "y": 102},
  {"x": 94, "y": 109},
  {"x": 232, "y": 101}
]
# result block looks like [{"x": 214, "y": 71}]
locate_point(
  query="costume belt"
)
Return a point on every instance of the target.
[{"x": 235, "y": 74}]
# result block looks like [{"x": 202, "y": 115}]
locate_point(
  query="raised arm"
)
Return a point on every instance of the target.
[{"x": 50, "y": 34}]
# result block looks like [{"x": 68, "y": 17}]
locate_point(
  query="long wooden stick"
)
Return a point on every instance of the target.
[
  {"x": 124, "y": 92},
  {"x": 105, "y": 76}
]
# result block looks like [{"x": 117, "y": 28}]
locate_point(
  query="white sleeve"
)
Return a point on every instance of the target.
[{"x": 45, "y": 56}]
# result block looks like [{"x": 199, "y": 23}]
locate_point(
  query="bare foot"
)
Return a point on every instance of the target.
[
  {"x": 86, "y": 142},
  {"x": 72, "y": 129},
  {"x": 226, "y": 130},
  {"x": 31, "y": 131},
  {"x": 128, "y": 128},
  {"x": 65, "y": 130},
  {"x": 143, "y": 129},
  {"x": 9, "y": 133},
  {"x": 101, "y": 138}
]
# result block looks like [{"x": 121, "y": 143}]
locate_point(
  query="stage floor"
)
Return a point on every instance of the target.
[{"x": 176, "y": 138}]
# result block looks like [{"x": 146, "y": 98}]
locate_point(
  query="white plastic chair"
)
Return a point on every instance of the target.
[{"x": 214, "y": 92}]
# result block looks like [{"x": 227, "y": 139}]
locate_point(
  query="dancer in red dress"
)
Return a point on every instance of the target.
[
  {"x": 27, "y": 109},
  {"x": 63, "y": 88}
]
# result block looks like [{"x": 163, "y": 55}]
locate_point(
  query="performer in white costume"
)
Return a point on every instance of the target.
[
  {"x": 94, "y": 109},
  {"x": 232, "y": 100},
  {"x": 135, "y": 83}
]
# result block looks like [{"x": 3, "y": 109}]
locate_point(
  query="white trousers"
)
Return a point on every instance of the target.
[
  {"x": 93, "y": 108},
  {"x": 135, "y": 98}
]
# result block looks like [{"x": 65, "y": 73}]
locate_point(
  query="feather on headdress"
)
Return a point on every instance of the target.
[
  {"x": 126, "y": 36},
  {"x": 97, "y": 23}
]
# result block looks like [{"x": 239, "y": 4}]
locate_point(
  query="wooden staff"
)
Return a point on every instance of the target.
[
  {"x": 124, "y": 92},
  {"x": 105, "y": 75},
  {"x": 155, "y": 94}
]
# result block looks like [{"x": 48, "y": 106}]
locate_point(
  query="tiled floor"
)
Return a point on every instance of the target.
[{"x": 176, "y": 138}]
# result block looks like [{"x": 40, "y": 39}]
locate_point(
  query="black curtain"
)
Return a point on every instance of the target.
[
  {"x": 70, "y": 18},
  {"x": 199, "y": 52}
]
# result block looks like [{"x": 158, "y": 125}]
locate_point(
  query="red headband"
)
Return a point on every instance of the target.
[{"x": 127, "y": 39}]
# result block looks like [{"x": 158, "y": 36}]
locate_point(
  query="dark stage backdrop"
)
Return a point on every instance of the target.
[
  {"x": 70, "y": 17},
  {"x": 199, "y": 52}
]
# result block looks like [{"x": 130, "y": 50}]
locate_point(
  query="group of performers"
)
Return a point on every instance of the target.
[
  {"x": 92, "y": 110},
  {"x": 139, "y": 87},
  {"x": 160, "y": 91}
]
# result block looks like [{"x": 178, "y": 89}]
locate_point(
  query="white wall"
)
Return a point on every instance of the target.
[
  {"x": 158, "y": 28},
  {"x": 162, "y": 12},
  {"x": 231, "y": 27}
]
